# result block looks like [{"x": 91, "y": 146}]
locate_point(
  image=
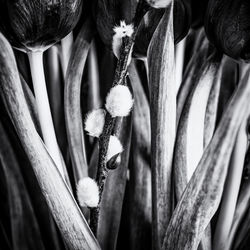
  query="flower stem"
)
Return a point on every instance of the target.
[
  {"x": 67, "y": 44},
  {"x": 44, "y": 113},
  {"x": 93, "y": 75}
]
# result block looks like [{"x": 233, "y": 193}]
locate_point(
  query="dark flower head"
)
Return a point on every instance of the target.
[
  {"x": 227, "y": 26},
  {"x": 37, "y": 24}
]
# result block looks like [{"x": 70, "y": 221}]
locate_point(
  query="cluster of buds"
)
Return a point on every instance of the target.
[{"x": 119, "y": 103}]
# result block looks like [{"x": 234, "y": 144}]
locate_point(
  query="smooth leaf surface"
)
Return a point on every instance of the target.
[
  {"x": 72, "y": 98},
  {"x": 202, "y": 195},
  {"x": 66, "y": 213},
  {"x": 163, "y": 122}
]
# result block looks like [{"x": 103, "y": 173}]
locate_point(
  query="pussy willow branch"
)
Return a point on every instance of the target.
[
  {"x": 102, "y": 170},
  {"x": 119, "y": 79}
]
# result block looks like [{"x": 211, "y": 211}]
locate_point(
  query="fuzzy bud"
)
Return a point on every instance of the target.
[
  {"x": 88, "y": 192},
  {"x": 121, "y": 31},
  {"x": 114, "y": 148},
  {"x": 159, "y": 3},
  {"x": 94, "y": 122},
  {"x": 119, "y": 101}
]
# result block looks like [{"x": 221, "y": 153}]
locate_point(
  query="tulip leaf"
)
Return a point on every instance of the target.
[
  {"x": 55, "y": 89},
  {"x": 192, "y": 72},
  {"x": 231, "y": 190},
  {"x": 139, "y": 184},
  {"x": 44, "y": 218},
  {"x": 242, "y": 207},
  {"x": 25, "y": 230},
  {"x": 212, "y": 106},
  {"x": 163, "y": 122},
  {"x": 203, "y": 193},
  {"x": 190, "y": 133},
  {"x": 73, "y": 113},
  {"x": 63, "y": 207}
]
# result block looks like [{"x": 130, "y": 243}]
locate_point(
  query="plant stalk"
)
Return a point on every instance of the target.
[
  {"x": 43, "y": 107},
  {"x": 67, "y": 44},
  {"x": 93, "y": 78}
]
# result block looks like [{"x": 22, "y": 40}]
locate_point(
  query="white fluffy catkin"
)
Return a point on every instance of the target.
[
  {"x": 119, "y": 101},
  {"x": 94, "y": 122},
  {"x": 114, "y": 148},
  {"x": 121, "y": 31},
  {"x": 159, "y": 3},
  {"x": 88, "y": 192}
]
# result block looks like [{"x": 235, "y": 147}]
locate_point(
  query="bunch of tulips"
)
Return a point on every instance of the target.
[{"x": 124, "y": 124}]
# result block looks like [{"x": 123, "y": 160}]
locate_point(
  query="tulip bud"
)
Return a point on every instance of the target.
[
  {"x": 38, "y": 24},
  {"x": 227, "y": 25}
]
